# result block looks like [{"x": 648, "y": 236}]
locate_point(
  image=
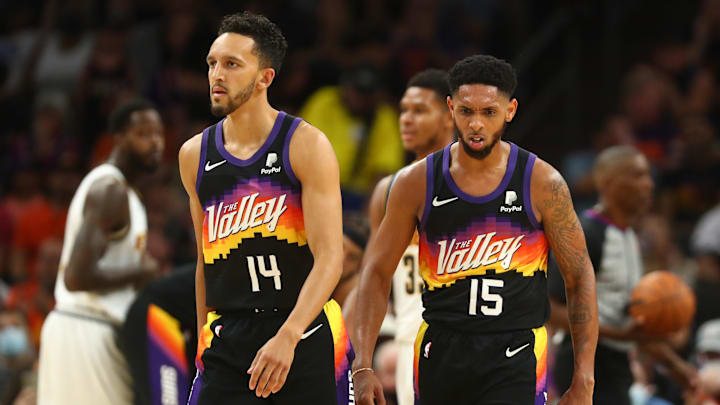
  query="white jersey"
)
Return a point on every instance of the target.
[
  {"x": 122, "y": 252},
  {"x": 407, "y": 300}
]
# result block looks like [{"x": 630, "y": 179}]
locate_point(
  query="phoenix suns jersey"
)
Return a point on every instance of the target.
[
  {"x": 483, "y": 258},
  {"x": 254, "y": 245}
]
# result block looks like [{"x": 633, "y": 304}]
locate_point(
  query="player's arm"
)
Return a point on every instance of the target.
[
  {"x": 551, "y": 198},
  {"x": 378, "y": 201},
  {"x": 380, "y": 261},
  {"x": 106, "y": 216},
  {"x": 189, "y": 158},
  {"x": 680, "y": 370},
  {"x": 316, "y": 167}
]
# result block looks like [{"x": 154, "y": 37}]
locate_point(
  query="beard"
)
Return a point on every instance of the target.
[
  {"x": 219, "y": 110},
  {"x": 484, "y": 152},
  {"x": 146, "y": 163}
]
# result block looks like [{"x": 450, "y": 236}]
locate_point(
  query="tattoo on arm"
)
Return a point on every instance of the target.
[{"x": 567, "y": 240}]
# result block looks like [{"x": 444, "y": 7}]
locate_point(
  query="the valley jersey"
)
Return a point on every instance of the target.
[
  {"x": 483, "y": 258},
  {"x": 254, "y": 245}
]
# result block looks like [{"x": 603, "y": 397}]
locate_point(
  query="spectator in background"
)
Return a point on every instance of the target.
[
  {"x": 386, "y": 358},
  {"x": 578, "y": 165},
  {"x": 650, "y": 103},
  {"x": 705, "y": 243},
  {"x": 16, "y": 354},
  {"x": 43, "y": 220},
  {"x": 708, "y": 360},
  {"x": 107, "y": 79},
  {"x": 361, "y": 128},
  {"x": 35, "y": 296}
]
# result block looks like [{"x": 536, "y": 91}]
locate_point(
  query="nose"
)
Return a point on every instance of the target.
[
  {"x": 216, "y": 73},
  {"x": 476, "y": 124}
]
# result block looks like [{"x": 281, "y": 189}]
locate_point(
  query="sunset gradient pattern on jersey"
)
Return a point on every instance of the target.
[
  {"x": 224, "y": 216},
  {"x": 498, "y": 236},
  {"x": 343, "y": 351},
  {"x": 540, "y": 349},
  {"x": 166, "y": 349}
]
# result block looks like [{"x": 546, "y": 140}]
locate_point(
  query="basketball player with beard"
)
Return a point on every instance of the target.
[
  {"x": 425, "y": 126},
  {"x": 103, "y": 259},
  {"x": 265, "y": 202},
  {"x": 486, "y": 212}
]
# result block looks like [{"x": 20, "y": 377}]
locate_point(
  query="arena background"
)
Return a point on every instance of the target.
[{"x": 591, "y": 74}]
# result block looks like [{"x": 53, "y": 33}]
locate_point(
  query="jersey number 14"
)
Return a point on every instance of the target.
[
  {"x": 487, "y": 296},
  {"x": 272, "y": 272}
]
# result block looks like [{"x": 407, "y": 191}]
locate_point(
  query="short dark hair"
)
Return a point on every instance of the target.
[
  {"x": 432, "y": 79},
  {"x": 270, "y": 44},
  {"x": 120, "y": 116},
  {"x": 483, "y": 69}
]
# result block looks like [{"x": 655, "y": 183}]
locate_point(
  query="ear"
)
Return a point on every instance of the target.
[
  {"x": 265, "y": 78},
  {"x": 451, "y": 106},
  {"x": 511, "y": 110}
]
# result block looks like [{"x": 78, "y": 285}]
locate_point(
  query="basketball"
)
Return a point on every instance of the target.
[{"x": 662, "y": 303}]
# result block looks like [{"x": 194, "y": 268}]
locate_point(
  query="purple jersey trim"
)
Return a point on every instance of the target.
[
  {"x": 428, "y": 190},
  {"x": 260, "y": 152},
  {"x": 485, "y": 198},
  {"x": 286, "y": 152},
  {"x": 526, "y": 191},
  {"x": 203, "y": 155}
]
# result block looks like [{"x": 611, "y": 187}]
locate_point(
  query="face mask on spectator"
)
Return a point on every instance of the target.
[{"x": 13, "y": 341}]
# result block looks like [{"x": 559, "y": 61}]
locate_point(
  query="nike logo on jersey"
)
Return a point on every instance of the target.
[
  {"x": 310, "y": 332},
  {"x": 224, "y": 220},
  {"x": 510, "y": 353},
  {"x": 484, "y": 250},
  {"x": 438, "y": 203},
  {"x": 209, "y": 166}
]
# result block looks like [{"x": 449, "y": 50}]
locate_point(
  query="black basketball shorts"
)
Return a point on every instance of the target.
[
  {"x": 507, "y": 368},
  {"x": 320, "y": 372}
]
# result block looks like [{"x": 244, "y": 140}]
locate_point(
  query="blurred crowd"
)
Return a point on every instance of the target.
[{"x": 64, "y": 65}]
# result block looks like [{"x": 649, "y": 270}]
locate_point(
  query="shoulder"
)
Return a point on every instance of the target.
[
  {"x": 107, "y": 193},
  {"x": 191, "y": 148},
  {"x": 546, "y": 181},
  {"x": 410, "y": 180},
  {"x": 311, "y": 153}
]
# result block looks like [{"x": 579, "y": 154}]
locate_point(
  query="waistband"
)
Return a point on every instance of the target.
[{"x": 254, "y": 312}]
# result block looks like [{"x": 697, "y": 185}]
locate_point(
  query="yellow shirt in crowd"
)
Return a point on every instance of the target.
[{"x": 384, "y": 152}]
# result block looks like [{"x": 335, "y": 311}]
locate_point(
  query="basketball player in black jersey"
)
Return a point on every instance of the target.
[
  {"x": 486, "y": 212},
  {"x": 265, "y": 202}
]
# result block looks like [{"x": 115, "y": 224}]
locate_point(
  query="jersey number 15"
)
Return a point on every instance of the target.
[{"x": 487, "y": 296}]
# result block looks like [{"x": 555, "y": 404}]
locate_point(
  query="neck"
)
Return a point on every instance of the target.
[
  {"x": 437, "y": 144},
  {"x": 614, "y": 213},
  {"x": 251, "y": 122},
  {"x": 122, "y": 162},
  {"x": 496, "y": 158}
]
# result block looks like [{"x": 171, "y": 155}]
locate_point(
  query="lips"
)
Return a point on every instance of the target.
[
  {"x": 476, "y": 141},
  {"x": 218, "y": 91}
]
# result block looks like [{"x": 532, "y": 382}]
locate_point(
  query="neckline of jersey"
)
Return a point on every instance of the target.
[
  {"x": 220, "y": 144},
  {"x": 509, "y": 169}
]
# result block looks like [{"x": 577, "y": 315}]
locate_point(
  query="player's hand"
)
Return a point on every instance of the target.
[
  {"x": 272, "y": 362},
  {"x": 368, "y": 388},
  {"x": 578, "y": 394}
]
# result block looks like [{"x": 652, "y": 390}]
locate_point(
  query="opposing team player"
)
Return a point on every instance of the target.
[
  {"x": 486, "y": 211},
  {"x": 265, "y": 201},
  {"x": 426, "y": 126},
  {"x": 103, "y": 258}
]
